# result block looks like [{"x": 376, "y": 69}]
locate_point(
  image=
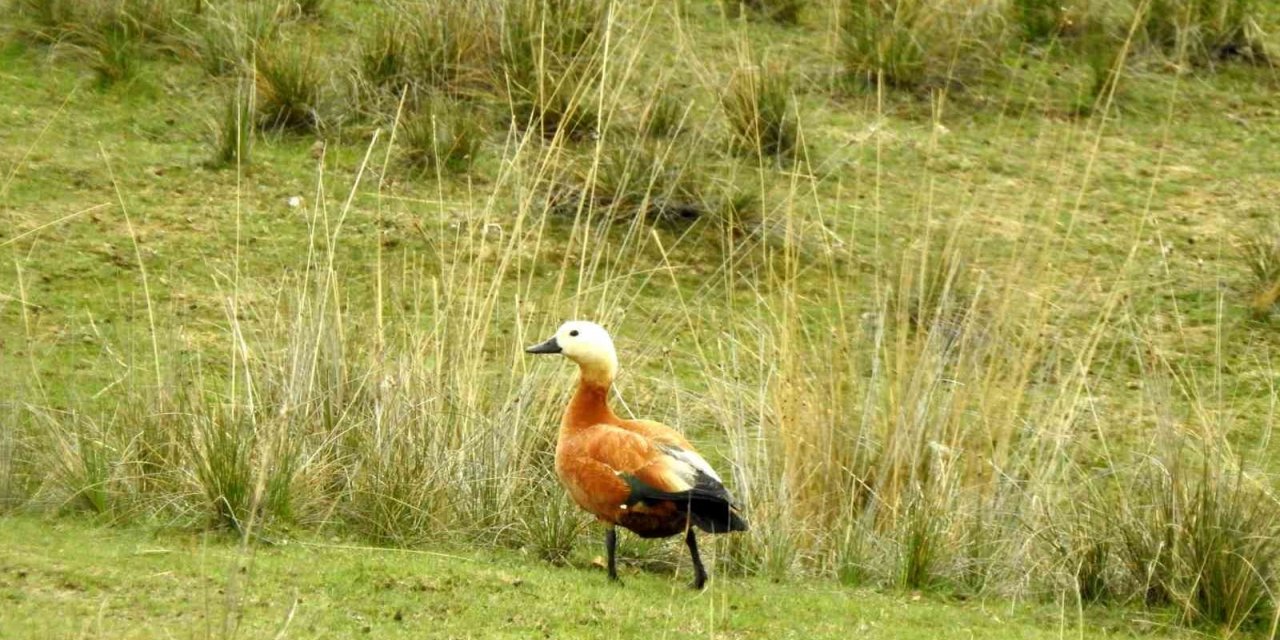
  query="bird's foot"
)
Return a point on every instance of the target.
[{"x": 699, "y": 583}]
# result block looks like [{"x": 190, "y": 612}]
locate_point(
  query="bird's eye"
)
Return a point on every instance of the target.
[{"x": 573, "y": 334}]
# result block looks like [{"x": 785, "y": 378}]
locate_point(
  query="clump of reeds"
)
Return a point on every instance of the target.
[
  {"x": 1261, "y": 254},
  {"x": 224, "y": 38},
  {"x": 549, "y": 63},
  {"x": 443, "y": 135},
  {"x": 235, "y": 129},
  {"x": 780, "y": 11},
  {"x": 289, "y": 85},
  {"x": 761, "y": 111}
]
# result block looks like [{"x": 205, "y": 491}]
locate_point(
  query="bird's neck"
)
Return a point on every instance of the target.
[{"x": 589, "y": 405}]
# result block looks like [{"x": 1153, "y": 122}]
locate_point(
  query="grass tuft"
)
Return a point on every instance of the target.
[
  {"x": 385, "y": 51},
  {"x": 1204, "y": 31},
  {"x": 222, "y": 450},
  {"x": 920, "y": 539},
  {"x": 648, "y": 183},
  {"x": 780, "y": 11},
  {"x": 116, "y": 46},
  {"x": 1261, "y": 254},
  {"x": 549, "y": 64},
  {"x": 444, "y": 136},
  {"x": 1231, "y": 545},
  {"x": 761, "y": 111},
  {"x": 915, "y": 44},
  {"x": 309, "y": 9},
  {"x": 663, "y": 116},
  {"x": 1039, "y": 20},
  {"x": 885, "y": 40},
  {"x": 428, "y": 50},
  {"x": 235, "y": 130},
  {"x": 934, "y": 293},
  {"x": 554, "y": 528},
  {"x": 48, "y": 19},
  {"x": 224, "y": 38},
  {"x": 289, "y": 85},
  {"x": 1104, "y": 54}
]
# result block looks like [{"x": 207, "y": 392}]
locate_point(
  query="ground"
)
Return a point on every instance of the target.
[
  {"x": 69, "y": 578},
  {"x": 364, "y": 322}
]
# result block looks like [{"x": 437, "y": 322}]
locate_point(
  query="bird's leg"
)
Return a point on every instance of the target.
[
  {"x": 699, "y": 572},
  {"x": 611, "y": 548}
]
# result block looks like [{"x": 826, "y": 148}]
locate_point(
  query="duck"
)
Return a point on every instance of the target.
[{"x": 640, "y": 475}]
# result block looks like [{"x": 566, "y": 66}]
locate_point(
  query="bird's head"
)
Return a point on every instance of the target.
[{"x": 587, "y": 344}]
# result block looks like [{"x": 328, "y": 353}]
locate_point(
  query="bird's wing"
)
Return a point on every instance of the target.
[
  {"x": 627, "y": 453},
  {"x": 594, "y": 463},
  {"x": 624, "y": 452},
  {"x": 662, "y": 461},
  {"x": 611, "y": 469},
  {"x": 693, "y": 459},
  {"x": 672, "y": 443}
]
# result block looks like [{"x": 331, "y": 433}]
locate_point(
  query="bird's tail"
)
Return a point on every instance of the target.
[
  {"x": 709, "y": 505},
  {"x": 716, "y": 516}
]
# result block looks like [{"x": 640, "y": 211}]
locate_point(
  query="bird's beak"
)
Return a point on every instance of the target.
[{"x": 550, "y": 346}]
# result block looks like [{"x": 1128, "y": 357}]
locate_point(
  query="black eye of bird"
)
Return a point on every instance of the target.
[{"x": 573, "y": 334}]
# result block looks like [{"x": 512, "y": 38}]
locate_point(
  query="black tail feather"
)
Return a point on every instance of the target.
[
  {"x": 708, "y": 503},
  {"x": 716, "y": 517}
]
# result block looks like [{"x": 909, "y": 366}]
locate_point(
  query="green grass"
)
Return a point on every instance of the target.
[
  {"x": 976, "y": 312},
  {"x": 108, "y": 582}
]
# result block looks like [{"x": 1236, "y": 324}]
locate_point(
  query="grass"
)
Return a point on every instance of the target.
[
  {"x": 760, "y": 110},
  {"x": 646, "y": 183},
  {"x": 1202, "y": 31},
  {"x": 223, "y": 39},
  {"x": 886, "y": 41},
  {"x": 289, "y": 87},
  {"x": 432, "y": 47},
  {"x": 115, "y": 50},
  {"x": 134, "y": 582},
  {"x": 549, "y": 63},
  {"x": 234, "y": 133},
  {"x": 1261, "y": 253},
  {"x": 663, "y": 117},
  {"x": 311, "y": 9},
  {"x": 781, "y": 11},
  {"x": 1040, "y": 20},
  {"x": 441, "y": 137},
  {"x": 971, "y": 338}
]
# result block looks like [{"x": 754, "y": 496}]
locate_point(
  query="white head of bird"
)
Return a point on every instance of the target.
[{"x": 587, "y": 344}]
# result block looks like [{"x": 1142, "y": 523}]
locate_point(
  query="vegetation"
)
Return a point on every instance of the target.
[
  {"x": 1261, "y": 253},
  {"x": 442, "y": 136},
  {"x": 781, "y": 11},
  {"x": 235, "y": 130},
  {"x": 193, "y": 583},
  {"x": 289, "y": 87},
  {"x": 759, "y": 110},
  {"x": 972, "y": 299}
]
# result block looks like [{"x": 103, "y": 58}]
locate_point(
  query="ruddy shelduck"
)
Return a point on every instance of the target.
[{"x": 637, "y": 474}]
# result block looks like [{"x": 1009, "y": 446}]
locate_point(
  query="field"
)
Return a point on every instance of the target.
[
  {"x": 143, "y": 584},
  {"x": 973, "y": 303}
]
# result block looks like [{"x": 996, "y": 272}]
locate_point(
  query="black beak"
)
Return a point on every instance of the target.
[{"x": 550, "y": 346}]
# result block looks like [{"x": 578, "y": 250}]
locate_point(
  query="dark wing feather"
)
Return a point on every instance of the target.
[{"x": 711, "y": 507}]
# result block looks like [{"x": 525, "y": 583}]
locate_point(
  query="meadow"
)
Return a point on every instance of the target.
[{"x": 972, "y": 302}]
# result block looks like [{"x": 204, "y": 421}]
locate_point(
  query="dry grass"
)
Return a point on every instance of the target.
[
  {"x": 912, "y": 398},
  {"x": 290, "y": 86},
  {"x": 441, "y": 136},
  {"x": 761, "y": 111},
  {"x": 1261, "y": 254}
]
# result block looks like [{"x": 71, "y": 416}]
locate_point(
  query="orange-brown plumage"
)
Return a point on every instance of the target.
[
  {"x": 595, "y": 445},
  {"x": 638, "y": 474}
]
